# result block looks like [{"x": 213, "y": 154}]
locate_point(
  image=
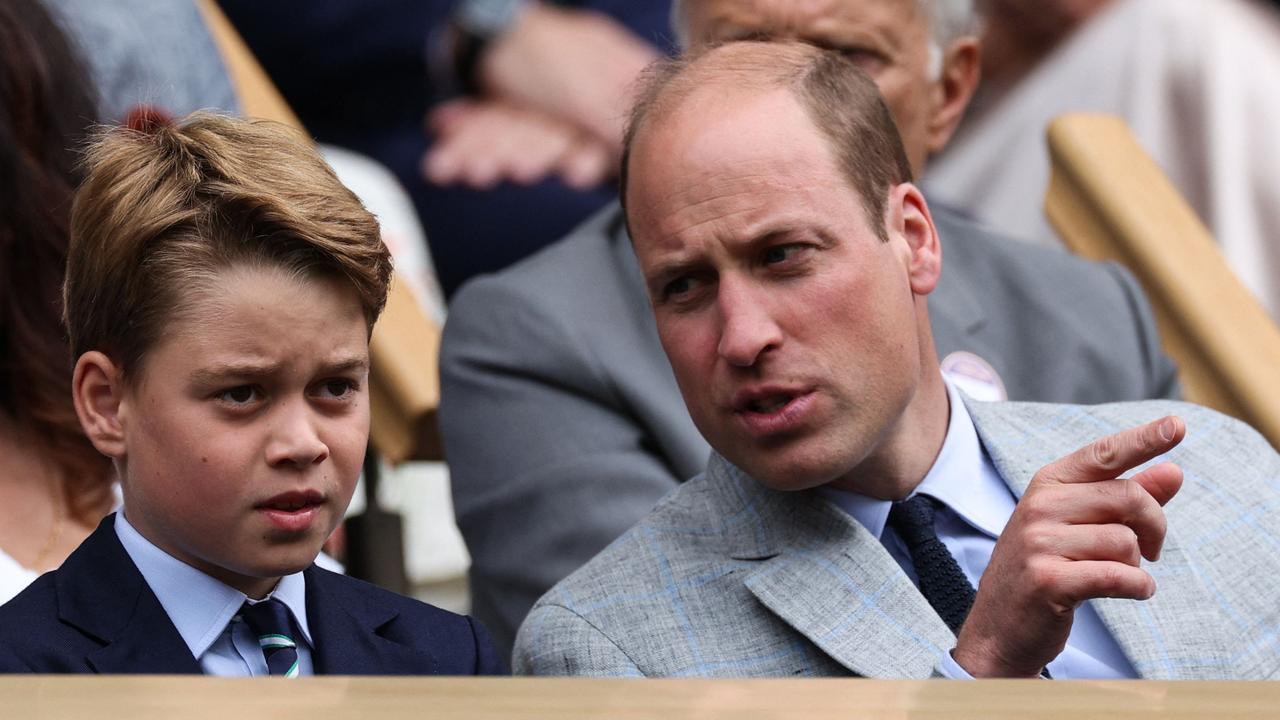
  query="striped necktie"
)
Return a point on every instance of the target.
[{"x": 270, "y": 622}]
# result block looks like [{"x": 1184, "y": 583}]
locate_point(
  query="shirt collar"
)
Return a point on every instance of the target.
[
  {"x": 962, "y": 477},
  {"x": 200, "y": 606}
]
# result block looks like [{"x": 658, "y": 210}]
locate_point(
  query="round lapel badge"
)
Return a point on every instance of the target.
[{"x": 974, "y": 376}]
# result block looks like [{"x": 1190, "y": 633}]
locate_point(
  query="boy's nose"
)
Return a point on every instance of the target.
[{"x": 295, "y": 440}]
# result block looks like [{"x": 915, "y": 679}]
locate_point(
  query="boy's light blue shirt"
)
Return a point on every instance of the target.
[
  {"x": 205, "y": 611},
  {"x": 978, "y": 504}
]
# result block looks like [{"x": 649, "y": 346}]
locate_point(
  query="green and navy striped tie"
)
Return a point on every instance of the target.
[{"x": 270, "y": 622}]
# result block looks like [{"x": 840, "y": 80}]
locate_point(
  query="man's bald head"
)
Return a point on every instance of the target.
[{"x": 840, "y": 100}]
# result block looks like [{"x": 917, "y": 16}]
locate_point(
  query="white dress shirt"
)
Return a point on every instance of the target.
[
  {"x": 978, "y": 503},
  {"x": 13, "y": 577},
  {"x": 206, "y": 612}
]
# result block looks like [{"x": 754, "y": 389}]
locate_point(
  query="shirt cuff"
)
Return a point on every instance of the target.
[{"x": 951, "y": 669}]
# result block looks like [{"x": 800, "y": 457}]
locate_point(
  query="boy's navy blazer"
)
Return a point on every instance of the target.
[{"x": 96, "y": 614}]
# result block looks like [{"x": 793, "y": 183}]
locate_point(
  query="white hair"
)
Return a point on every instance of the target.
[{"x": 949, "y": 20}]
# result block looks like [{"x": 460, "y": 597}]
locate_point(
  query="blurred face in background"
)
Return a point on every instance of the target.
[{"x": 890, "y": 39}]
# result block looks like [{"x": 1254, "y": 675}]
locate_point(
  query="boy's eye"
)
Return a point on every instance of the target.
[
  {"x": 335, "y": 389},
  {"x": 239, "y": 395}
]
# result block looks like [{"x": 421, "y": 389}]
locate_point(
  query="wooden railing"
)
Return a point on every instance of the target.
[
  {"x": 1109, "y": 200},
  {"x": 320, "y": 698}
]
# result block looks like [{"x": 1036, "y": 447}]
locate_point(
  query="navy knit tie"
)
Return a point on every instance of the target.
[
  {"x": 270, "y": 622},
  {"x": 942, "y": 582}
]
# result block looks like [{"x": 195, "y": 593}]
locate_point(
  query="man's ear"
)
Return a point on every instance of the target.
[
  {"x": 910, "y": 220},
  {"x": 961, "y": 70},
  {"x": 97, "y": 387}
]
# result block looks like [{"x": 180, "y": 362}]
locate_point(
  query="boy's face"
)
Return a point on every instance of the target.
[{"x": 245, "y": 430}]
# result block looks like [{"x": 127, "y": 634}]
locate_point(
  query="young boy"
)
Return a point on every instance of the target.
[{"x": 220, "y": 292}]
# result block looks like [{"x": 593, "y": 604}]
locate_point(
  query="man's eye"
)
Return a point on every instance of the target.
[
  {"x": 869, "y": 61},
  {"x": 781, "y": 253},
  {"x": 239, "y": 395},
  {"x": 679, "y": 287}
]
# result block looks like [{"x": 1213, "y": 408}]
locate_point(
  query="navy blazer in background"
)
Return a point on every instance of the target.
[
  {"x": 96, "y": 614},
  {"x": 356, "y": 73}
]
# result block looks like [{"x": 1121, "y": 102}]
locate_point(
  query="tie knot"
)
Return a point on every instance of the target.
[
  {"x": 913, "y": 519},
  {"x": 271, "y": 622},
  {"x": 268, "y": 618}
]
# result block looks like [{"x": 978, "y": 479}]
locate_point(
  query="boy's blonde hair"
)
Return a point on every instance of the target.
[{"x": 165, "y": 207}]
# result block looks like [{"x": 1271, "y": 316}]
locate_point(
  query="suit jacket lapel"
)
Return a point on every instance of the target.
[
  {"x": 828, "y": 578},
  {"x": 1168, "y": 637},
  {"x": 102, "y": 594},
  {"x": 345, "y": 627}
]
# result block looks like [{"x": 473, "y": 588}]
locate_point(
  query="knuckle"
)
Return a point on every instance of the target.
[
  {"x": 1120, "y": 542},
  {"x": 1043, "y": 575},
  {"x": 1038, "y": 507},
  {"x": 1130, "y": 493},
  {"x": 1106, "y": 452},
  {"x": 1039, "y": 542},
  {"x": 1159, "y": 525},
  {"x": 1130, "y": 498},
  {"x": 1110, "y": 580}
]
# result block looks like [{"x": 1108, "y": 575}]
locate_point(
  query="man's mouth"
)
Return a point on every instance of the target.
[
  {"x": 769, "y": 404},
  {"x": 770, "y": 411},
  {"x": 767, "y": 399}
]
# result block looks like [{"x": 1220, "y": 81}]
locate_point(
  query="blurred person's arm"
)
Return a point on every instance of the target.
[
  {"x": 553, "y": 86},
  {"x": 572, "y": 63},
  {"x": 481, "y": 143},
  {"x": 561, "y": 425}
]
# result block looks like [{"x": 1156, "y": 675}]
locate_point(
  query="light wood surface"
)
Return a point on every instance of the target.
[
  {"x": 405, "y": 374},
  {"x": 1110, "y": 201},
  {"x": 169, "y": 698}
]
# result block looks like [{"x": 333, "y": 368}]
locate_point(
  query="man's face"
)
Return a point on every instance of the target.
[
  {"x": 889, "y": 39},
  {"x": 245, "y": 431},
  {"x": 792, "y": 327}
]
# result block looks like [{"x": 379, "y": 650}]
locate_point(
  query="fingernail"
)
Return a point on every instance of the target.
[{"x": 1166, "y": 429}]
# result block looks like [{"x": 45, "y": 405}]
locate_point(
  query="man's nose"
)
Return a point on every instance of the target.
[
  {"x": 748, "y": 327},
  {"x": 295, "y": 438}
]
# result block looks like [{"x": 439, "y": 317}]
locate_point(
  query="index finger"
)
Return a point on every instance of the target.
[{"x": 1111, "y": 456}]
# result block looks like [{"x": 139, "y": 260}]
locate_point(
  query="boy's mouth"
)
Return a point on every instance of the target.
[
  {"x": 292, "y": 501},
  {"x": 292, "y": 511}
]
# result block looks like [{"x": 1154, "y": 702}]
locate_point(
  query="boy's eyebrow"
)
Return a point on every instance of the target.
[
  {"x": 221, "y": 371},
  {"x": 358, "y": 362}
]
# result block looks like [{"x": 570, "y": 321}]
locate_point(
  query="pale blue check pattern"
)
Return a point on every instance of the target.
[{"x": 726, "y": 578}]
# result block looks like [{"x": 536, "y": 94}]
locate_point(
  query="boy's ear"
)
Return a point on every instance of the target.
[{"x": 97, "y": 387}]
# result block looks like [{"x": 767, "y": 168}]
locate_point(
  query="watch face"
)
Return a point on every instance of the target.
[{"x": 487, "y": 18}]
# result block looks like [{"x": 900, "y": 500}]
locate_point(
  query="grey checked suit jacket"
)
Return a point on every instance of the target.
[
  {"x": 728, "y": 578},
  {"x": 563, "y": 425}
]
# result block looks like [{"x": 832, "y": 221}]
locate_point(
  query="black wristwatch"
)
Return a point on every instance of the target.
[{"x": 475, "y": 23}]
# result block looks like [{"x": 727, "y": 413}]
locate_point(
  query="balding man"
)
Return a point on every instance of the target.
[
  {"x": 855, "y": 498},
  {"x": 560, "y": 417}
]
